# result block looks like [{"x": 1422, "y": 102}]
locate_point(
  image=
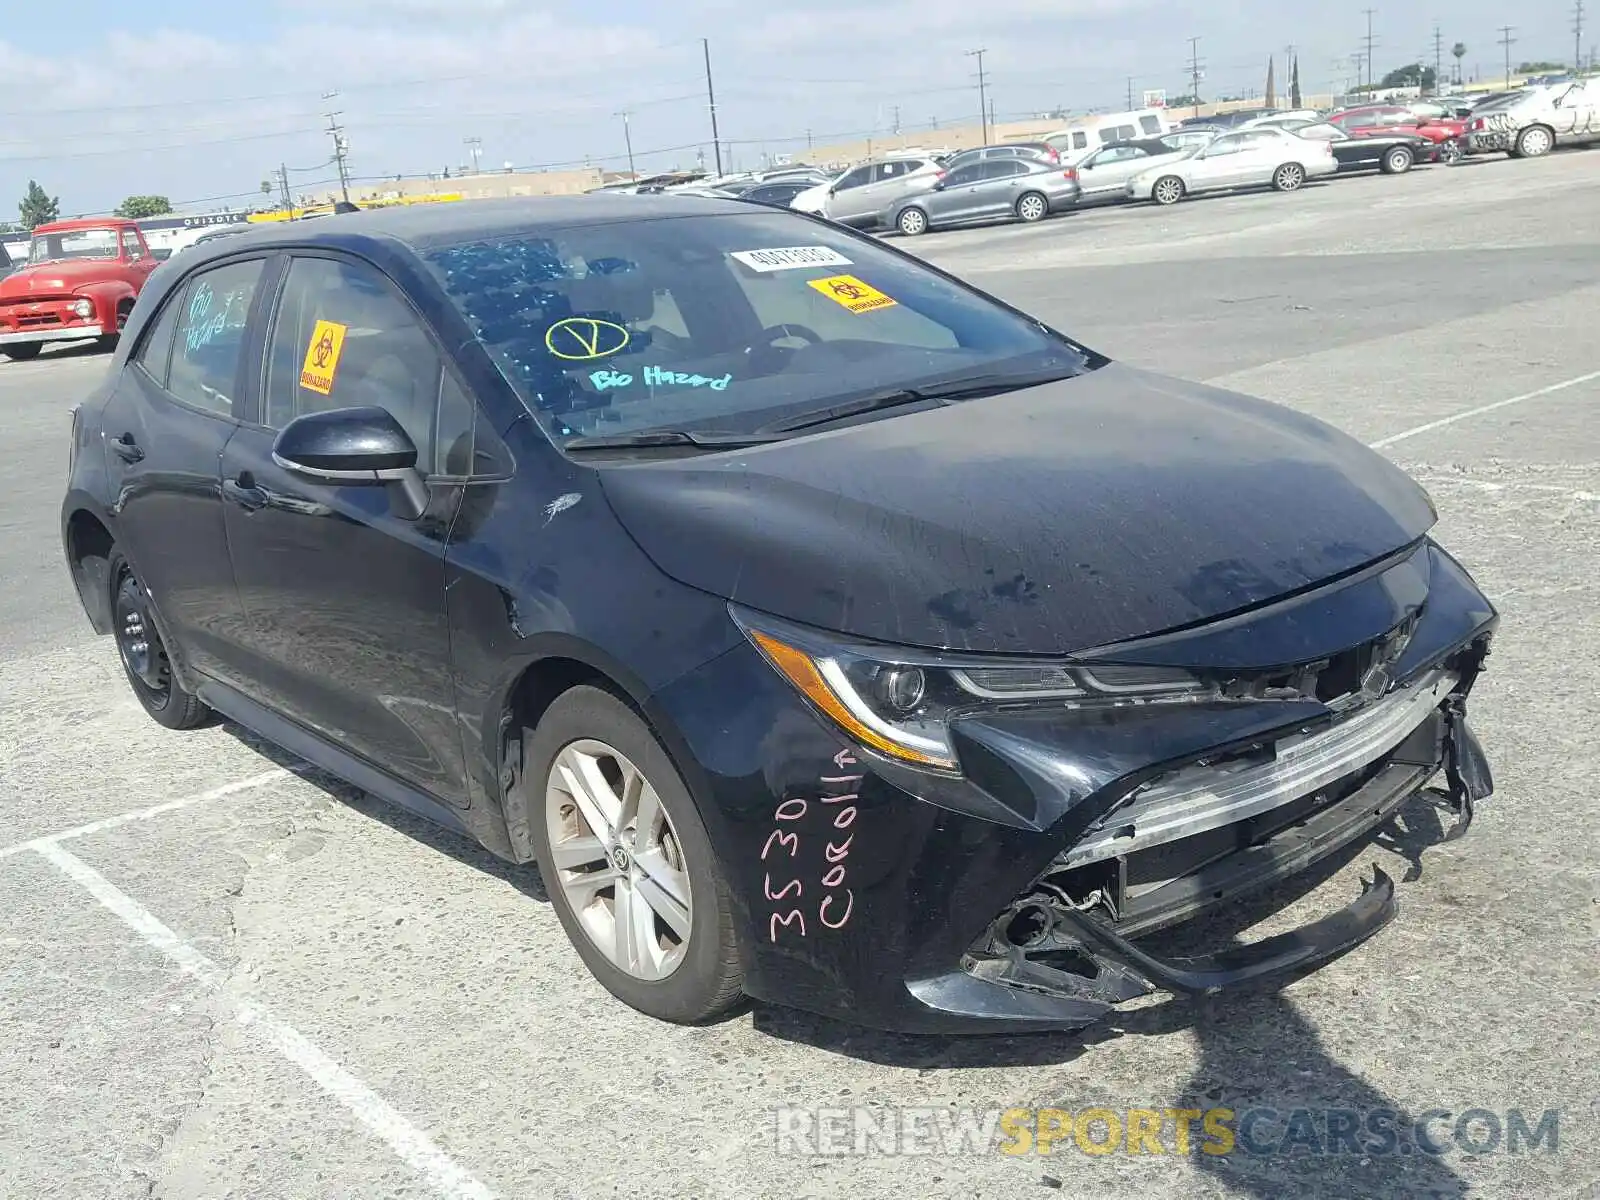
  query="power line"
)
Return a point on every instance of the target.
[
  {"x": 1507, "y": 41},
  {"x": 983, "y": 103}
]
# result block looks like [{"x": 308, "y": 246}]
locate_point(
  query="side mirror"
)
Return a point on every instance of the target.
[
  {"x": 353, "y": 447},
  {"x": 939, "y": 184}
]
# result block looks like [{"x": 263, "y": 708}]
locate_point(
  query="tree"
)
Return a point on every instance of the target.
[
  {"x": 1411, "y": 75},
  {"x": 137, "y": 208},
  {"x": 1183, "y": 101},
  {"x": 1294, "y": 84},
  {"x": 37, "y": 208},
  {"x": 1540, "y": 68}
]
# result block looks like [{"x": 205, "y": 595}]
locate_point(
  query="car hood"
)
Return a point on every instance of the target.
[
  {"x": 1087, "y": 511},
  {"x": 49, "y": 278}
]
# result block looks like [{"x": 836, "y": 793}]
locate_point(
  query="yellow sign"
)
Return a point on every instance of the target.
[
  {"x": 582, "y": 339},
  {"x": 849, "y": 291},
  {"x": 322, "y": 357}
]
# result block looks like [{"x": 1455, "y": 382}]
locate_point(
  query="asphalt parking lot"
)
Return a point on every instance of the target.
[{"x": 223, "y": 976}]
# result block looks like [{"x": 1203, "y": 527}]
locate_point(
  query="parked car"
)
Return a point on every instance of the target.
[
  {"x": 1103, "y": 176},
  {"x": 6, "y": 265},
  {"x": 1446, "y": 135},
  {"x": 1192, "y": 138},
  {"x": 998, "y": 189},
  {"x": 1032, "y": 151},
  {"x": 779, "y": 195},
  {"x": 1229, "y": 120},
  {"x": 1253, "y": 158},
  {"x": 868, "y": 195},
  {"x": 825, "y": 630},
  {"x": 1284, "y": 120},
  {"x": 1537, "y": 120},
  {"x": 1393, "y": 151},
  {"x": 1090, "y": 133},
  {"x": 80, "y": 281}
]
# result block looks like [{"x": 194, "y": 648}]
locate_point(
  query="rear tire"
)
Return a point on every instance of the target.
[
  {"x": 1397, "y": 161},
  {"x": 1031, "y": 207},
  {"x": 144, "y": 655},
  {"x": 1289, "y": 177},
  {"x": 1534, "y": 142},
  {"x": 22, "y": 351},
  {"x": 686, "y": 980},
  {"x": 912, "y": 222},
  {"x": 1168, "y": 190}
]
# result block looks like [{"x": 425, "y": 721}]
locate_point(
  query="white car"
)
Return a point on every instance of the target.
[
  {"x": 1251, "y": 158},
  {"x": 813, "y": 200}
]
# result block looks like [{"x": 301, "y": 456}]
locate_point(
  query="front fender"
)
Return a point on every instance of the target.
[{"x": 106, "y": 297}]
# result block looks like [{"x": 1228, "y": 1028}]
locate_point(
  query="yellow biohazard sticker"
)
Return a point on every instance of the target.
[
  {"x": 849, "y": 291},
  {"x": 322, "y": 357}
]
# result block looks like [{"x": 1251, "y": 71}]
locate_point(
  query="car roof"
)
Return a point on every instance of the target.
[
  {"x": 86, "y": 223},
  {"x": 425, "y": 226}
]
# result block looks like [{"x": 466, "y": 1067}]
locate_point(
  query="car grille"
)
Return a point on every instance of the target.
[{"x": 1202, "y": 797}]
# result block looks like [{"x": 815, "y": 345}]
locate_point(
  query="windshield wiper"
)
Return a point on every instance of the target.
[
  {"x": 969, "y": 388},
  {"x": 668, "y": 437}
]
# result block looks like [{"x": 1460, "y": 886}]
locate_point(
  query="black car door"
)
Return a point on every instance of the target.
[
  {"x": 347, "y": 629},
  {"x": 165, "y": 427}
]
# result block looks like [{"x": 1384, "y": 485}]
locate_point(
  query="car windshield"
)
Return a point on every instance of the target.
[
  {"x": 725, "y": 322},
  {"x": 78, "y": 243}
]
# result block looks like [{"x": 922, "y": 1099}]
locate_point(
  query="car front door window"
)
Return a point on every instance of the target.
[{"x": 343, "y": 338}]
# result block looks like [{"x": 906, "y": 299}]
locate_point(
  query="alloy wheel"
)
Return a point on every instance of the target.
[
  {"x": 1031, "y": 208},
  {"x": 1290, "y": 177},
  {"x": 1168, "y": 191},
  {"x": 618, "y": 860},
  {"x": 912, "y": 222}
]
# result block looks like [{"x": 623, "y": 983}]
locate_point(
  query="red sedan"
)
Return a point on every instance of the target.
[{"x": 1447, "y": 134}]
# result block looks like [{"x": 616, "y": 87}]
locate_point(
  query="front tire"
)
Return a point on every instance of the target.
[
  {"x": 1534, "y": 142},
  {"x": 1450, "y": 153},
  {"x": 912, "y": 222},
  {"x": 1168, "y": 190},
  {"x": 1289, "y": 177},
  {"x": 1397, "y": 161},
  {"x": 22, "y": 351},
  {"x": 1032, "y": 207},
  {"x": 627, "y": 862},
  {"x": 144, "y": 655}
]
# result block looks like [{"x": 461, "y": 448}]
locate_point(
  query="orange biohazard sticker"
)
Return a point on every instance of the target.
[
  {"x": 322, "y": 357},
  {"x": 849, "y": 291}
]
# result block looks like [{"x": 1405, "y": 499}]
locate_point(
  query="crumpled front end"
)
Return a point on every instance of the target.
[{"x": 1009, "y": 892}]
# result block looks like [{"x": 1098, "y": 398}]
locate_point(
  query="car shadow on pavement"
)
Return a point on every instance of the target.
[{"x": 435, "y": 837}]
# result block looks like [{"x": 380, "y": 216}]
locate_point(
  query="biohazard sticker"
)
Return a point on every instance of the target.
[
  {"x": 322, "y": 357},
  {"x": 851, "y": 293}
]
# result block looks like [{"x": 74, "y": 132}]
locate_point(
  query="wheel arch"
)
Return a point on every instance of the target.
[
  {"x": 88, "y": 540},
  {"x": 559, "y": 664}
]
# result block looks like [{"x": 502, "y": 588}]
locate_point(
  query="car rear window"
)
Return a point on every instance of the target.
[{"x": 721, "y": 322}]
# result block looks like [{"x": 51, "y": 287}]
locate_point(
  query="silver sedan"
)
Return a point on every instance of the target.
[
  {"x": 994, "y": 190},
  {"x": 1251, "y": 158}
]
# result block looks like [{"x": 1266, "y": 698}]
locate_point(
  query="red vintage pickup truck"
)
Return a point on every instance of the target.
[{"x": 80, "y": 281}]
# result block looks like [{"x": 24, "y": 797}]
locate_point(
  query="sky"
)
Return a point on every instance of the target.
[{"x": 202, "y": 100}]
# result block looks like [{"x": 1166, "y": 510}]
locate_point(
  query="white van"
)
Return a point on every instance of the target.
[{"x": 1087, "y": 135}]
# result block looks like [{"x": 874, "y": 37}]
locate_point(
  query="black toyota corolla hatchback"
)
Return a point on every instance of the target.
[{"x": 824, "y": 629}]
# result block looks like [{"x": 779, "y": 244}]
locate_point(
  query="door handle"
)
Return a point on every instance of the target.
[
  {"x": 244, "y": 494},
  {"x": 127, "y": 449}
]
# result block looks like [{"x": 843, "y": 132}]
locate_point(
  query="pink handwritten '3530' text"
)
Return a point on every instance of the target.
[{"x": 837, "y": 901}]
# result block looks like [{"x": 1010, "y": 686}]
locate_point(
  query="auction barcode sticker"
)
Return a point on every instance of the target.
[{"x": 788, "y": 258}]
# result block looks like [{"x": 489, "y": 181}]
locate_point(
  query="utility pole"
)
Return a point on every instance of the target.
[
  {"x": 897, "y": 120},
  {"x": 627, "y": 137},
  {"x": 1438, "y": 59},
  {"x": 1130, "y": 93},
  {"x": 993, "y": 123},
  {"x": 341, "y": 147},
  {"x": 283, "y": 187},
  {"x": 711, "y": 102},
  {"x": 1507, "y": 41},
  {"x": 1194, "y": 72},
  {"x": 1370, "y": 42},
  {"x": 474, "y": 147},
  {"x": 983, "y": 93},
  {"x": 1577, "y": 37}
]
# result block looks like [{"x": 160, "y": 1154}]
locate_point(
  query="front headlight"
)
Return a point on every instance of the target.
[
  {"x": 83, "y": 308},
  {"x": 900, "y": 701}
]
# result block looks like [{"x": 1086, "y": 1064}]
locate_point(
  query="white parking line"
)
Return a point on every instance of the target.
[
  {"x": 413, "y": 1146},
  {"x": 144, "y": 814},
  {"x": 1484, "y": 408}
]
